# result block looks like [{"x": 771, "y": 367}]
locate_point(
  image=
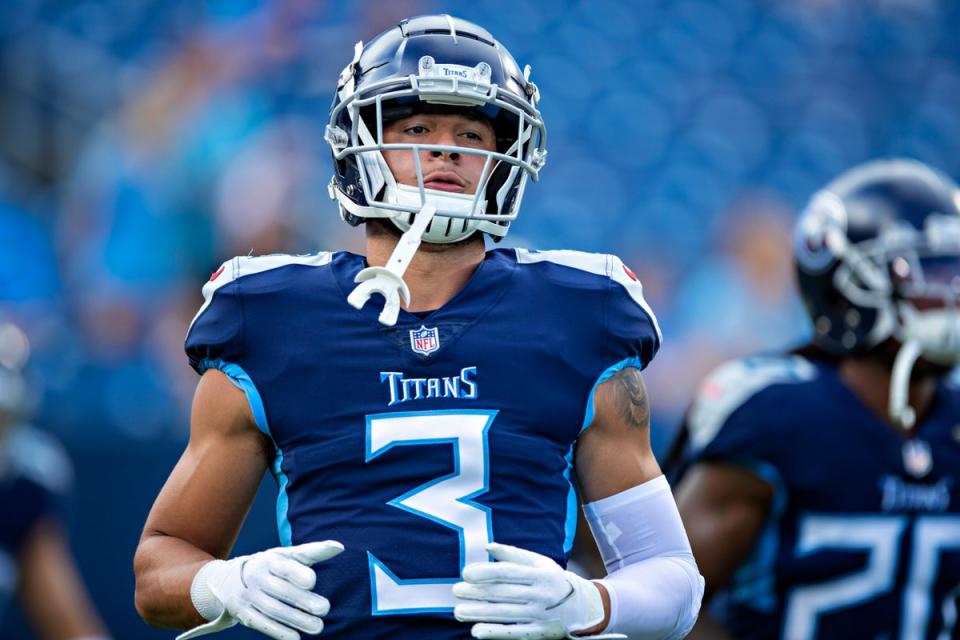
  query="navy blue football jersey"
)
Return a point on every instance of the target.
[
  {"x": 34, "y": 475},
  {"x": 418, "y": 444},
  {"x": 863, "y": 537}
]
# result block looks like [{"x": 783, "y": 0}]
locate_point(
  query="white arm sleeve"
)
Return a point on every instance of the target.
[{"x": 654, "y": 585}]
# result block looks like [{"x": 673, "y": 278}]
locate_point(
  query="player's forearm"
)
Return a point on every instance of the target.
[
  {"x": 50, "y": 582},
  {"x": 164, "y": 568},
  {"x": 655, "y": 599},
  {"x": 654, "y": 586}
]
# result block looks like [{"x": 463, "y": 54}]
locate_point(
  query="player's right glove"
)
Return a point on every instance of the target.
[{"x": 270, "y": 592}]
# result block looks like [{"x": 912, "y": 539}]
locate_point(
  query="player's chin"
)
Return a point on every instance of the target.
[
  {"x": 382, "y": 226},
  {"x": 440, "y": 247}
]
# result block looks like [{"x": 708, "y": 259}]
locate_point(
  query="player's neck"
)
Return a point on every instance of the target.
[
  {"x": 869, "y": 379},
  {"x": 437, "y": 272}
]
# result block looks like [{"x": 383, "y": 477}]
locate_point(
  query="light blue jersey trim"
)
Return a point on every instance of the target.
[
  {"x": 753, "y": 583},
  {"x": 372, "y": 562},
  {"x": 242, "y": 381},
  {"x": 283, "y": 501},
  {"x": 570, "y": 523},
  {"x": 634, "y": 362}
]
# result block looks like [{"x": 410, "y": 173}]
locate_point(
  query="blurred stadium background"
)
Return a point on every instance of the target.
[{"x": 144, "y": 142}]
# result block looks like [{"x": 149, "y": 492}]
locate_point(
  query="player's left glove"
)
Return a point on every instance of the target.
[
  {"x": 526, "y": 596},
  {"x": 270, "y": 591}
]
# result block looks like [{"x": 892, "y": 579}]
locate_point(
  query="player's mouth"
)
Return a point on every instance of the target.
[{"x": 444, "y": 181}]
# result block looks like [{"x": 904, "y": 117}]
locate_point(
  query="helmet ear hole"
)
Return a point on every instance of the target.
[
  {"x": 498, "y": 177},
  {"x": 900, "y": 270},
  {"x": 900, "y": 273},
  {"x": 506, "y": 126}
]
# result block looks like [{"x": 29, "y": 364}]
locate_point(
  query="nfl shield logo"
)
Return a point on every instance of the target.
[
  {"x": 917, "y": 458},
  {"x": 425, "y": 341}
]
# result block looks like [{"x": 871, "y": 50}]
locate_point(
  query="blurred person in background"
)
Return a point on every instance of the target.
[
  {"x": 36, "y": 564},
  {"x": 524, "y": 365},
  {"x": 820, "y": 487}
]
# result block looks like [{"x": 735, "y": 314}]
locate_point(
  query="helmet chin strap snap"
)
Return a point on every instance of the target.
[{"x": 388, "y": 280}]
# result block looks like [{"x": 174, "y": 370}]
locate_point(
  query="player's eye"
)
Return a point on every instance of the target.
[
  {"x": 472, "y": 136},
  {"x": 416, "y": 130}
]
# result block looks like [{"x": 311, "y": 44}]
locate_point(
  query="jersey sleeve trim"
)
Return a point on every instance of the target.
[
  {"x": 570, "y": 520},
  {"x": 766, "y": 472},
  {"x": 608, "y": 373},
  {"x": 242, "y": 381},
  {"x": 753, "y": 582}
]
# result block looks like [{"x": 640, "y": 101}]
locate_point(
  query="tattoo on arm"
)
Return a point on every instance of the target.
[{"x": 631, "y": 397}]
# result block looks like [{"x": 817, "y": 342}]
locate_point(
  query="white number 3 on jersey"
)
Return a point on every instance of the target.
[{"x": 447, "y": 500}]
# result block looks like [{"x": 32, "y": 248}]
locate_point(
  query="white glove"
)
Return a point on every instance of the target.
[
  {"x": 526, "y": 596},
  {"x": 269, "y": 591}
]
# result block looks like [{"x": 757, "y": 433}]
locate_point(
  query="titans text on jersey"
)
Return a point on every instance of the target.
[
  {"x": 863, "y": 538},
  {"x": 404, "y": 389},
  {"x": 495, "y": 388}
]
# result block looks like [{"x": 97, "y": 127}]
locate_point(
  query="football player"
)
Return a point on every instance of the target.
[
  {"x": 36, "y": 564},
  {"x": 428, "y": 410},
  {"x": 820, "y": 488}
]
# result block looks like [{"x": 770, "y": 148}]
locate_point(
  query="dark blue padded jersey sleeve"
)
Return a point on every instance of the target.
[
  {"x": 633, "y": 332},
  {"x": 741, "y": 413},
  {"x": 216, "y": 336},
  {"x": 217, "y": 331},
  {"x": 746, "y": 436},
  {"x": 617, "y": 325}
]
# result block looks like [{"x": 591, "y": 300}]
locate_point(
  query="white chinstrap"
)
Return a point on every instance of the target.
[{"x": 388, "y": 280}]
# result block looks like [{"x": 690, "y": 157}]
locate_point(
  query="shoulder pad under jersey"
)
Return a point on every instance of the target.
[
  {"x": 733, "y": 384},
  {"x": 601, "y": 264},
  {"x": 240, "y": 266},
  {"x": 216, "y": 332},
  {"x": 39, "y": 457}
]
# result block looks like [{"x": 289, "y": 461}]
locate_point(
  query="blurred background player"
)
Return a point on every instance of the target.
[
  {"x": 36, "y": 564},
  {"x": 821, "y": 488},
  {"x": 429, "y": 443}
]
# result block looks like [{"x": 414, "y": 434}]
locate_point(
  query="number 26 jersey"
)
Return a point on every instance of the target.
[{"x": 863, "y": 535}]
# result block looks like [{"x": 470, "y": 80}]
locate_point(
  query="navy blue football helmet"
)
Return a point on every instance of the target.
[
  {"x": 878, "y": 256},
  {"x": 437, "y": 62}
]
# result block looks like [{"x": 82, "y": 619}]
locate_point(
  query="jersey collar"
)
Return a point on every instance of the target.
[{"x": 485, "y": 288}]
